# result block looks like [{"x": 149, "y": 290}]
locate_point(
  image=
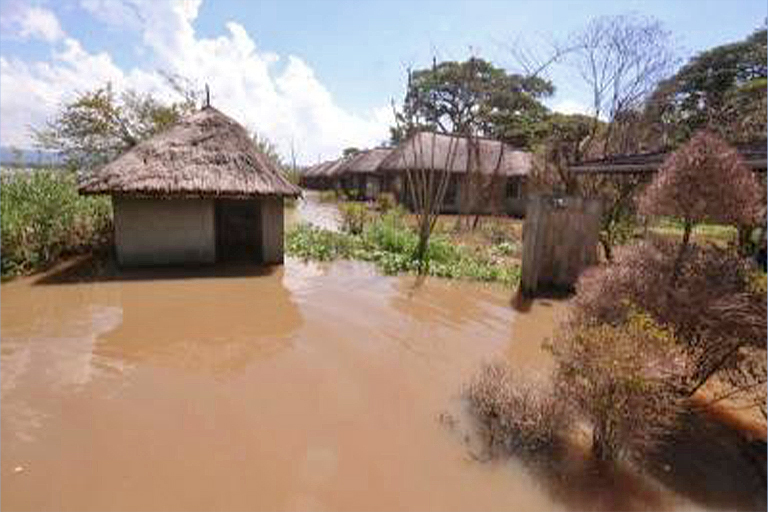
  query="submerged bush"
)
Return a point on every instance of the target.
[
  {"x": 516, "y": 415},
  {"x": 627, "y": 380},
  {"x": 44, "y": 218}
]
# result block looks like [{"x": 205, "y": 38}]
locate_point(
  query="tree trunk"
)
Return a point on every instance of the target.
[
  {"x": 603, "y": 444},
  {"x": 687, "y": 228},
  {"x": 607, "y": 248},
  {"x": 421, "y": 248}
]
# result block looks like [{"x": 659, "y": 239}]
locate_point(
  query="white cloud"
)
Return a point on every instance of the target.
[
  {"x": 288, "y": 105},
  {"x": 39, "y": 23},
  {"x": 571, "y": 107}
]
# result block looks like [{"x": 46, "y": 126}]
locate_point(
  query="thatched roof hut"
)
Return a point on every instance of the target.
[
  {"x": 427, "y": 150},
  {"x": 366, "y": 161},
  {"x": 198, "y": 192},
  {"x": 207, "y": 154}
]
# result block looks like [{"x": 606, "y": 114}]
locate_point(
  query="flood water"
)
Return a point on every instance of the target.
[{"x": 303, "y": 387}]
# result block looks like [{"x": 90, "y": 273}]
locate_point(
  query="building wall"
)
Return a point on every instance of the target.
[
  {"x": 164, "y": 231},
  {"x": 272, "y": 230}
]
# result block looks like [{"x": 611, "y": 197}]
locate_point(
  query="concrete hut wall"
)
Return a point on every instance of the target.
[
  {"x": 164, "y": 231},
  {"x": 184, "y": 231},
  {"x": 272, "y": 230}
]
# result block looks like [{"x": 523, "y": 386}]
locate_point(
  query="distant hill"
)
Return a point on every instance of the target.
[{"x": 13, "y": 157}]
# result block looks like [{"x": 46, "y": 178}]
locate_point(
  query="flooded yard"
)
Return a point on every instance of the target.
[{"x": 303, "y": 387}]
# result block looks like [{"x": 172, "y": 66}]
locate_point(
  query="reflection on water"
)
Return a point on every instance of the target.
[{"x": 303, "y": 387}]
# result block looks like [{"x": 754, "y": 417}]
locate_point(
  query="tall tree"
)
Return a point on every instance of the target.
[
  {"x": 723, "y": 89},
  {"x": 476, "y": 98},
  {"x": 621, "y": 59}
]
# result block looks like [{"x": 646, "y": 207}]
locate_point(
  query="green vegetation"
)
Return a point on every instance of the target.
[
  {"x": 391, "y": 244},
  {"x": 328, "y": 196},
  {"x": 44, "y": 218},
  {"x": 716, "y": 233},
  {"x": 354, "y": 216}
]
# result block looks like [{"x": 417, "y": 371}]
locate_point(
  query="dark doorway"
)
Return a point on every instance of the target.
[{"x": 238, "y": 230}]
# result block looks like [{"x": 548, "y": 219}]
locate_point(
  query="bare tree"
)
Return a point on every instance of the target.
[
  {"x": 427, "y": 172},
  {"x": 621, "y": 59}
]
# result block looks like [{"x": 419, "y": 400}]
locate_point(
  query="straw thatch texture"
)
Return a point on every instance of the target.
[
  {"x": 333, "y": 168},
  {"x": 207, "y": 154},
  {"x": 367, "y": 161},
  {"x": 417, "y": 153}
]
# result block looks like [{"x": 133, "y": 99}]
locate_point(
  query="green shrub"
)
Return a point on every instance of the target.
[
  {"x": 390, "y": 243},
  {"x": 328, "y": 196},
  {"x": 43, "y": 218},
  {"x": 385, "y": 202},
  {"x": 353, "y": 217}
]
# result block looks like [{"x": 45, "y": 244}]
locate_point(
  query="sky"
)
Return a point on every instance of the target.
[{"x": 313, "y": 75}]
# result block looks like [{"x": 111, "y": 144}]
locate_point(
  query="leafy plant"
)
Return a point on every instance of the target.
[
  {"x": 44, "y": 218},
  {"x": 353, "y": 217}
]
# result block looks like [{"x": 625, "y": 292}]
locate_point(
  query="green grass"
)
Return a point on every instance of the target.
[
  {"x": 389, "y": 243},
  {"x": 42, "y": 218},
  {"x": 717, "y": 233}
]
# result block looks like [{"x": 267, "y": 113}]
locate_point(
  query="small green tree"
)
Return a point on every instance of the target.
[
  {"x": 704, "y": 181},
  {"x": 99, "y": 125}
]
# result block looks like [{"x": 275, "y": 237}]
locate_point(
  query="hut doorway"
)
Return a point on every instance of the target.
[{"x": 238, "y": 230}]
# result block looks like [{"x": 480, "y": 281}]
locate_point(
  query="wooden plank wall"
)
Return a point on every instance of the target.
[{"x": 560, "y": 238}]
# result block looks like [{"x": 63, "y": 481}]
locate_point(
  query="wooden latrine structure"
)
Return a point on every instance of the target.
[{"x": 560, "y": 240}]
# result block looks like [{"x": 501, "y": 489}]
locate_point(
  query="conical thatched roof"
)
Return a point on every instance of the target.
[
  {"x": 206, "y": 154},
  {"x": 427, "y": 150}
]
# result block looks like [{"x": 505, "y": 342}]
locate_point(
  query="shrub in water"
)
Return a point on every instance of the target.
[
  {"x": 628, "y": 381},
  {"x": 516, "y": 415}
]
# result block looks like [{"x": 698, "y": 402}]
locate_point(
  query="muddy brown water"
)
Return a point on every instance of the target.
[{"x": 302, "y": 387}]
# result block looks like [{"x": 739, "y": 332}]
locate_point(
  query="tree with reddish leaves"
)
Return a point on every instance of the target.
[{"x": 704, "y": 181}]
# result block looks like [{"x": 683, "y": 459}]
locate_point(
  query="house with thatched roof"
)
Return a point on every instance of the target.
[
  {"x": 323, "y": 176},
  {"x": 199, "y": 192},
  {"x": 485, "y": 175},
  {"x": 359, "y": 175}
]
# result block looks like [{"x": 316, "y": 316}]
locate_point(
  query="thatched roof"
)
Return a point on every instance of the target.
[
  {"x": 332, "y": 168},
  {"x": 206, "y": 154},
  {"x": 366, "y": 161},
  {"x": 754, "y": 156},
  {"x": 417, "y": 151}
]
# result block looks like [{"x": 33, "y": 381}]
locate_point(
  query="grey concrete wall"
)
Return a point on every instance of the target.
[
  {"x": 164, "y": 231},
  {"x": 272, "y": 229}
]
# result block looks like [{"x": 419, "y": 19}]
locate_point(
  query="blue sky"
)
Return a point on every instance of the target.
[{"x": 318, "y": 75}]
